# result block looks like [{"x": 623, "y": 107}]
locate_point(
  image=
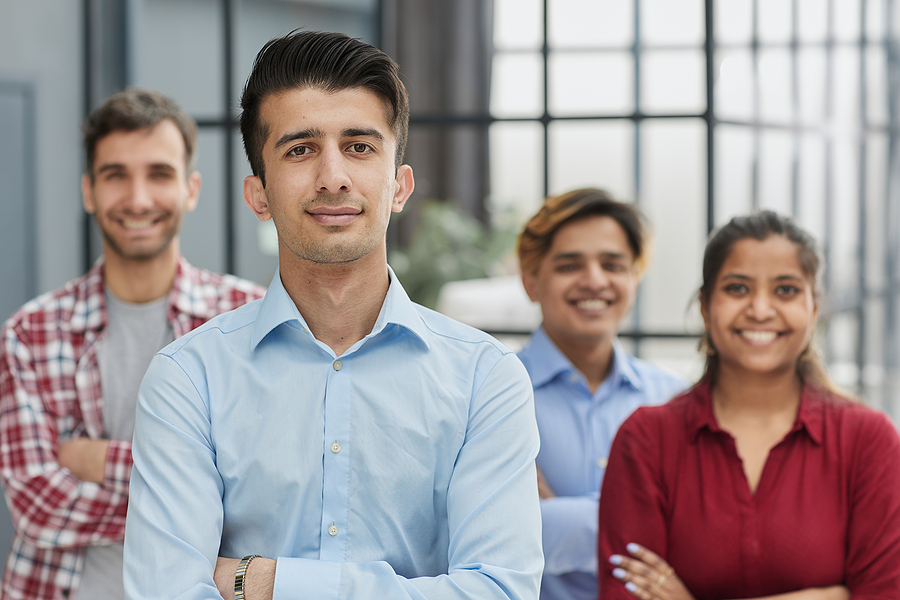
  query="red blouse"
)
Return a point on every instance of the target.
[{"x": 826, "y": 510}]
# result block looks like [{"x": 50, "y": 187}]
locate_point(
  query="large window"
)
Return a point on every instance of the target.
[{"x": 699, "y": 111}]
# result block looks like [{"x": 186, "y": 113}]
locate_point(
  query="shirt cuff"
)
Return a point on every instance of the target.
[
  {"x": 318, "y": 579},
  {"x": 117, "y": 472}
]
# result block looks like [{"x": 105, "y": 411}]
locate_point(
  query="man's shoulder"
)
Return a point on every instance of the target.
[
  {"x": 55, "y": 309},
  {"x": 218, "y": 331},
  {"x": 217, "y": 288},
  {"x": 457, "y": 334},
  {"x": 657, "y": 377}
]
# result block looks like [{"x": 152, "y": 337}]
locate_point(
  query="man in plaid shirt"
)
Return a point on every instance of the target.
[{"x": 71, "y": 360}]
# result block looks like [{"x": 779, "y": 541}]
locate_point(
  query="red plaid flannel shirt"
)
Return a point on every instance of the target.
[{"x": 49, "y": 393}]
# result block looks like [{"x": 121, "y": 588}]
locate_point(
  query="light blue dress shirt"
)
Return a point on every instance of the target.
[
  {"x": 577, "y": 429},
  {"x": 402, "y": 469}
]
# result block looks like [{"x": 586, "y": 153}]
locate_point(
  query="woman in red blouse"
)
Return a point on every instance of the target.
[{"x": 761, "y": 481}]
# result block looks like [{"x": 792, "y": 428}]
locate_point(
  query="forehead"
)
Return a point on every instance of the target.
[
  {"x": 160, "y": 144},
  {"x": 310, "y": 108},
  {"x": 772, "y": 257},
  {"x": 591, "y": 235}
]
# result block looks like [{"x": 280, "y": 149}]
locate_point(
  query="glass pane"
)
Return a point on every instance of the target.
[
  {"x": 776, "y": 167},
  {"x": 673, "y": 196},
  {"x": 592, "y": 154},
  {"x": 668, "y": 22},
  {"x": 203, "y": 232},
  {"x": 847, "y": 14},
  {"x": 876, "y": 86},
  {"x": 873, "y": 374},
  {"x": 845, "y": 193},
  {"x": 734, "y": 21},
  {"x": 845, "y": 94},
  {"x": 876, "y": 209},
  {"x": 734, "y": 85},
  {"x": 734, "y": 172},
  {"x": 516, "y": 85},
  {"x": 517, "y": 168},
  {"x": 775, "y": 72},
  {"x": 673, "y": 82},
  {"x": 875, "y": 20},
  {"x": 812, "y": 20},
  {"x": 680, "y": 356},
  {"x": 591, "y": 83},
  {"x": 775, "y": 21},
  {"x": 841, "y": 354},
  {"x": 186, "y": 34},
  {"x": 811, "y": 84},
  {"x": 811, "y": 185},
  {"x": 607, "y": 23},
  {"x": 518, "y": 24}
]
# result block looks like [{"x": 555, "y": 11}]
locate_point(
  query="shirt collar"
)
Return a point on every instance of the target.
[
  {"x": 546, "y": 362},
  {"x": 700, "y": 415},
  {"x": 278, "y": 308}
]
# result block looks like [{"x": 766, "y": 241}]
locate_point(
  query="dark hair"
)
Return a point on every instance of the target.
[
  {"x": 537, "y": 237},
  {"x": 760, "y": 226},
  {"x": 329, "y": 61},
  {"x": 133, "y": 109}
]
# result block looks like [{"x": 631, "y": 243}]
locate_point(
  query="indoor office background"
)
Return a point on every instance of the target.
[{"x": 695, "y": 109}]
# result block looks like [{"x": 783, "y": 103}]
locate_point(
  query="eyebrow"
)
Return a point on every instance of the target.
[
  {"x": 121, "y": 167},
  {"x": 315, "y": 132},
  {"x": 580, "y": 255},
  {"x": 740, "y": 277}
]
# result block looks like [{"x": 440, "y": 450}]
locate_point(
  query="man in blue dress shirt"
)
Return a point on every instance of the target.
[
  {"x": 344, "y": 441},
  {"x": 581, "y": 258}
]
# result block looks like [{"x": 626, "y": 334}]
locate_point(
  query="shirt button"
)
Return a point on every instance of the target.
[
  {"x": 573, "y": 378},
  {"x": 337, "y": 365},
  {"x": 333, "y": 530},
  {"x": 335, "y": 447},
  {"x": 601, "y": 462}
]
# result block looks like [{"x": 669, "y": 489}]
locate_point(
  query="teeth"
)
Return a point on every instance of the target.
[
  {"x": 135, "y": 224},
  {"x": 759, "y": 336},
  {"x": 593, "y": 304}
]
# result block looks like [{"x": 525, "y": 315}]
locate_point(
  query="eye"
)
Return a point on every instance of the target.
[
  {"x": 614, "y": 267},
  {"x": 787, "y": 290},
  {"x": 161, "y": 175},
  {"x": 735, "y": 289},
  {"x": 298, "y": 151},
  {"x": 567, "y": 267},
  {"x": 360, "y": 148}
]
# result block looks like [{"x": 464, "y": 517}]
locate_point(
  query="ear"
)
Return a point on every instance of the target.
[
  {"x": 529, "y": 282},
  {"x": 704, "y": 311},
  {"x": 403, "y": 187},
  {"x": 193, "y": 183},
  {"x": 255, "y": 197},
  {"x": 87, "y": 194}
]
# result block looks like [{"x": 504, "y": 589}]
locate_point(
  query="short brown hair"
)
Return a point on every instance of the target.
[
  {"x": 328, "y": 61},
  {"x": 537, "y": 237},
  {"x": 133, "y": 109}
]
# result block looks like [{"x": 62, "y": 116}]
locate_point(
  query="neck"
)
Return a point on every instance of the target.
[
  {"x": 340, "y": 303},
  {"x": 593, "y": 359},
  {"x": 138, "y": 281},
  {"x": 762, "y": 394}
]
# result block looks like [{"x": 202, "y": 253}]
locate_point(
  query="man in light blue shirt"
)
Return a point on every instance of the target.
[
  {"x": 581, "y": 257},
  {"x": 344, "y": 441}
]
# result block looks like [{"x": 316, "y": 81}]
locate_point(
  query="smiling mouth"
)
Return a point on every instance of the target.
[
  {"x": 138, "y": 224},
  {"x": 759, "y": 337},
  {"x": 592, "y": 304}
]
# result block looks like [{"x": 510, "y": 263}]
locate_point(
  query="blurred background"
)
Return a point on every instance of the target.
[{"x": 697, "y": 110}]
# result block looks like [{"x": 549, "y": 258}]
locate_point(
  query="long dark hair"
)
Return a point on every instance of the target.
[{"x": 760, "y": 226}]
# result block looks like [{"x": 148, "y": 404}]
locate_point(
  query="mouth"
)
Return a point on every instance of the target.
[
  {"x": 758, "y": 337},
  {"x": 592, "y": 304},
  {"x": 334, "y": 216}
]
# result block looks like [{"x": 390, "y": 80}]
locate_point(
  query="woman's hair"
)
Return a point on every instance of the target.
[
  {"x": 538, "y": 234},
  {"x": 760, "y": 226}
]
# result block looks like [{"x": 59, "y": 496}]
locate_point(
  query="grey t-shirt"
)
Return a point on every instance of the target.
[{"x": 134, "y": 333}]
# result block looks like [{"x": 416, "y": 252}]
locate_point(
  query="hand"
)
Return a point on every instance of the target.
[
  {"x": 647, "y": 576},
  {"x": 544, "y": 490},
  {"x": 85, "y": 458}
]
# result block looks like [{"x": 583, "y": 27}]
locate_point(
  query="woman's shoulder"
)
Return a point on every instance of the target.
[
  {"x": 673, "y": 417},
  {"x": 852, "y": 417}
]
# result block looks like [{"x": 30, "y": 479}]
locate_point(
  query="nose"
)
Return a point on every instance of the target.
[
  {"x": 761, "y": 306},
  {"x": 332, "y": 176},
  {"x": 140, "y": 197},
  {"x": 595, "y": 276}
]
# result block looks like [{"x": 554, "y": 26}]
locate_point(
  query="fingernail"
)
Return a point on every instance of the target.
[
  {"x": 619, "y": 573},
  {"x": 615, "y": 559},
  {"x": 630, "y": 587},
  {"x": 633, "y": 548}
]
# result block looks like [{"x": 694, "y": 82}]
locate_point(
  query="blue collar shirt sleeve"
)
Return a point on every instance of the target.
[
  {"x": 577, "y": 428},
  {"x": 402, "y": 469}
]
